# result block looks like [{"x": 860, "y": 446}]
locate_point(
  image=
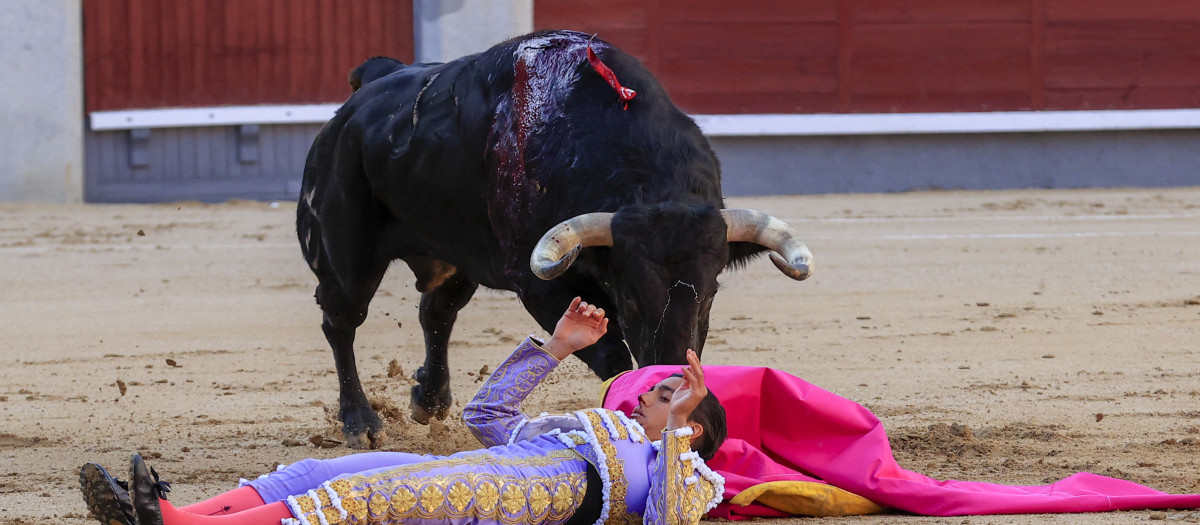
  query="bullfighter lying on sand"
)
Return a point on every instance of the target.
[
  {"x": 591, "y": 466},
  {"x": 792, "y": 449}
]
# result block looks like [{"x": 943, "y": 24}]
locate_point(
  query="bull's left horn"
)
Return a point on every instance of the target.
[
  {"x": 762, "y": 229},
  {"x": 559, "y": 247}
]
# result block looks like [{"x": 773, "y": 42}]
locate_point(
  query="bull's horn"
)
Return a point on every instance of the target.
[
  {"x": 762, "y": 229},
  {"x": 559, "y": 247}
]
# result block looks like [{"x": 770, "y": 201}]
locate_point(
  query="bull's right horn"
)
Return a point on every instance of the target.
[
  {"x": 559, "y": 247},
  {"x": 763, "y": 229}
]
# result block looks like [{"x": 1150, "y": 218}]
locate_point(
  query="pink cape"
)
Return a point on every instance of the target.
[{"x": 782, "y": 428}]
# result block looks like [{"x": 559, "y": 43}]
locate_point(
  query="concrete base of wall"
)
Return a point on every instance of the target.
[
  {"x": 207, "y": 164},
  {"x": 892, "y": 163}
]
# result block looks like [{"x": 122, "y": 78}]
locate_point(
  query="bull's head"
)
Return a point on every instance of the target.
[{"x": 663, "y": 265}]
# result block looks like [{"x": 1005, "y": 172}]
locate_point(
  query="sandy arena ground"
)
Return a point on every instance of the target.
[{"x": 1013, "y": 337}]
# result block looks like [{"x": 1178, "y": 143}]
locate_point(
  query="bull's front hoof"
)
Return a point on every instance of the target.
[
  {"x": 425, "y": 407},
  {"x": 365, "y": 440},
  {"x": 362, "y": 427}
]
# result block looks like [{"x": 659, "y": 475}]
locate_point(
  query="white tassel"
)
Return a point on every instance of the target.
[
  {"x": 312, "y": 493},
  {"x": 517, "y": 430},
  {"x": 602, "y": 467},
  {"x": 335, "y": 500},
  {"x": 294, "y": 507},
  {"x": 636, "y": 432},
  {"x": 609, "y": 424}
]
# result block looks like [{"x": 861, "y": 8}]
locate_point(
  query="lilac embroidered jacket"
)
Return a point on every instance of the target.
[{"x": 663, "y": 482}]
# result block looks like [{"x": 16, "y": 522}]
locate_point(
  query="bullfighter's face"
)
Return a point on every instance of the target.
[{"x": 654, "y": 405}]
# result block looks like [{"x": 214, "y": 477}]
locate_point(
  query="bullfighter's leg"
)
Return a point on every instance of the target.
[
  {"x": 546, "y": 301},
  {"x": 439, "y": 309},
  {"x": 345, "y": 308}
]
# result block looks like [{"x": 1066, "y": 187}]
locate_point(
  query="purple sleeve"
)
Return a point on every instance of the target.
[
  {"x": 682, "y": 487},
  {"x": 495, "y": 411}
]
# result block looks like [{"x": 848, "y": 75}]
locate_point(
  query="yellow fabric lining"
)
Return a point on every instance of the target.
[
  {"x": 806, "y": 499},
  {"x": 608, "y": 384}
]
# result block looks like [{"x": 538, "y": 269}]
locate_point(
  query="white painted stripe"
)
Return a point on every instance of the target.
[
  {"x": 1017, "y": 218},
  {"x": 212, "y": 116},
  {"x": 917, "y": 123},
  {"x": 719, "y": 125},
  {"x": 1059, "y": 235},
  {"x": 100, "y": 248}
]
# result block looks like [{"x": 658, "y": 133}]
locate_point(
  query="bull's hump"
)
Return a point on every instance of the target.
[{"x": 546, "y": 66}]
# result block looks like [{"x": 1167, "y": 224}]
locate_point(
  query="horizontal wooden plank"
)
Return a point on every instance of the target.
[
  {"x": 750, "y": 77},
  {"x": 1139, "y": 98},
  {"x": 1126, "y": 10},
  {"x": 1148, "y": 70},
  {"x": 794, "y": 102},
  {"x": 943, "y": 75},
  {"x": 748, "y": 41},
  {"x": 924, "y": 11},
  {"x": 939, "y": 102},
  {"x": 1115, "y": 38},
  {"x": 198, "y": 53},
  {"x": 724, "y": 11},
  {"x": 580, "y": 14},
  {"x": 984, "y": 40}
]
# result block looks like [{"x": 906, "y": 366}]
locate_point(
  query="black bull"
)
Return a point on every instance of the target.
[{"x": 458, "y": 169}]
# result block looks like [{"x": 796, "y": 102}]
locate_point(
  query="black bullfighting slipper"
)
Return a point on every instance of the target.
[
  {"x": 107, "y": 497},
  {"x": 147, "y": 490}
]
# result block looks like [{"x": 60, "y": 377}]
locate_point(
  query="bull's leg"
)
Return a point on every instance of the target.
[
  {"x": 345, "y": 310},
  {"x": 609, "y": 356},
  {"x": 439, "y": 309}
]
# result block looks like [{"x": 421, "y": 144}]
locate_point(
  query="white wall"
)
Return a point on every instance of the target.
[
  {"x": 447, "y": 29},
  {"x": 41, "y": 101}
]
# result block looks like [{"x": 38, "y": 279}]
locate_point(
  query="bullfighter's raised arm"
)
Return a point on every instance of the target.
[{"x": 495, "y": 411}]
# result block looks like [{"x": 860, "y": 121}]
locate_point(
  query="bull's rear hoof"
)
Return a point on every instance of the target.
[
  {"x": 366, "y": 440},
  {"x": 425, "y": 407}
]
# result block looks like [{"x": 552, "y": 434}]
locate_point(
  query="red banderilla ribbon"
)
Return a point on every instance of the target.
[{"x": 624, "y": 93}]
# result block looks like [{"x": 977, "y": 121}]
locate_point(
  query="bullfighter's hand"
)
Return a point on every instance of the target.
[
  {"x": 580, "y": 327},
  {"x": 689, "y": 394}
]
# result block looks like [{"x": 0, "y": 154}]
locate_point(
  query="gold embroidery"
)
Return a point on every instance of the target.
[
  {"x": 618, "y": 485},
  {"x": 378, "y": 503},
  {"x": 403, "y": 501},
  {"x": 459, "y": 496},
  {"x": 356, "y": 508},
  {"x": 507, "y": 499},
  {"x": 512, "y": 499},
  {"x": 551, "y": 458},
  {"x": 486, "y": 497},
  {"x": 562, "y": 498},
  {"x": 332, "y": 515},
  {"x": 679, "y": 500},
  {"x": 539, "y": 498},
  {"x": 322, "y": 499},
  {"x": 306, "y": 504},
  {"x": 622, "y": 432},
  {"x": 431, "y": 497}
]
